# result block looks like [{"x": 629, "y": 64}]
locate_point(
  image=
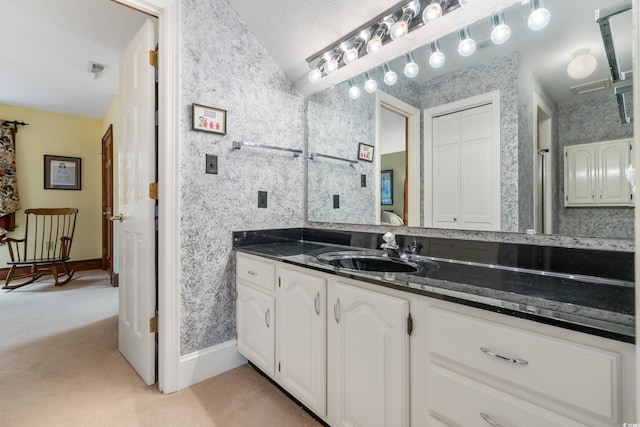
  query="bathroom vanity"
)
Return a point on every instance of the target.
[{"x": 467, "y": 342}]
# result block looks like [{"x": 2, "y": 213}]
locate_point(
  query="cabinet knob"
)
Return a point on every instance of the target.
[
  {"x": 252, "y": 273},
  {"x": 455, "y": 219}
]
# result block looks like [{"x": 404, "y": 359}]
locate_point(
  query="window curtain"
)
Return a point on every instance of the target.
[{"x": 9, "y": 200}]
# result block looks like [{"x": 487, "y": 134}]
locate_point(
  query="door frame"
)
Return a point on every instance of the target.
[
  {"x": 543, "y": 135},
  {"x": 107, "y": 202},
  {"x": 492, "y": 98},
  {"x": 168, "y": 265},
  {"x": 412, "y": 114}
]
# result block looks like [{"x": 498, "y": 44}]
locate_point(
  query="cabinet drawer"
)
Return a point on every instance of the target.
[
  {"x": 574, "y": 374},
  {"x": 460, "y": 401},
  {"x": 256, "y": 272}
]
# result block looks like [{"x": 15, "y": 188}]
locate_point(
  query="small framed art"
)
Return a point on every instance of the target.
[
  {"x": 209, "y": 119},
  {"x": 386, "y": 187},
  {"x": 365, "y": 152},
  {"x": 62, "y": 173}
]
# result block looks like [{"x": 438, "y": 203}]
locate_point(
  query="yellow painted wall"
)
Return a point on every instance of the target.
[
  {"x": 111, "y": 118},
  {"x": 61, "y": 135}
]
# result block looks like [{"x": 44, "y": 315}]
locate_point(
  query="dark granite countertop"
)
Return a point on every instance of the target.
[{"x": 596, "y": 305}]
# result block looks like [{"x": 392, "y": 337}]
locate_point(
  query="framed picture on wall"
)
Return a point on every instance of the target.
[
  {"x": 365, "y": 152},
  {"x": 62, "y": 173},
  {"x": 209, "y": 119},
  {"x": 386, "y": 187}
]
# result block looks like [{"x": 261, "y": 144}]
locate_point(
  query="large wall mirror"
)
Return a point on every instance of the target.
[{"x": 518, "y": 92}]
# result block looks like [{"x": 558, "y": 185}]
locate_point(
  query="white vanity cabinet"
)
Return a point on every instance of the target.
[
  {"x": 301, "y": 337},
  {"x": 594, "y": 174},
  {"x": 524, "y": 377},
  {"x": 368, "y": 348}
]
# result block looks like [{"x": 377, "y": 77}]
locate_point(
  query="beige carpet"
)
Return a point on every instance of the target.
[{"x": 60, "y": 366}]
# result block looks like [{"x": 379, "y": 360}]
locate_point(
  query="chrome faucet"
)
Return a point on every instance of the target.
[{"x": 391, "y": 246}]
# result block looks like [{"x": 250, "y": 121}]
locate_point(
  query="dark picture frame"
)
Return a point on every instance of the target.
[
  {"x": 386, "y": 187},
  {"x": 62, "y": 172},
  {"x": 365, "y": 152},
  {"x": 209, "y": 119}
]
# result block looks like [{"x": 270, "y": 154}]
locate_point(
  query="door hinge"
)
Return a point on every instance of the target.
[
  {"x": 409, "y": 324},
  {"x": 153, "y": 191},
  {"x": 153, "y": 324},
  {"x": 153, "y": 58}
]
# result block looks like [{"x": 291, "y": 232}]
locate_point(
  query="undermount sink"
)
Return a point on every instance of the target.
[{"x": 375, "y": 261}]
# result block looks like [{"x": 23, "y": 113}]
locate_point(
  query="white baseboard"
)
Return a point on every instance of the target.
[{"x": 204, "y": 364}]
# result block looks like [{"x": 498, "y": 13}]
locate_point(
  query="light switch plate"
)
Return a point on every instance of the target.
[
  {"x": 262, "y": 199},
  {"x": 363, "y": 180},
  {"x": 336, "y": 201},
  {"x": 212, "y": 164}
]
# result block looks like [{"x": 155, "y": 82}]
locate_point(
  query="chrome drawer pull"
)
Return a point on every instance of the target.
[
  {"x": 504, "y": 358},
  {"x": 252, "y": 273},
  {"x": 316, "y": 304},
  {"x": 336, "y": 310},
  {"x": 266, "y": 317},
  {"x": 488, "y": 420}
]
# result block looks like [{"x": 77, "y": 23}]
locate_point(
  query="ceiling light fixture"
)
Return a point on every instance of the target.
[
  {"x": 353, "y": 52},
  {"x": 540, "y": 15},
  {"x": 582, "y": 65},
  {"x": 390, "y": 76},
  {"x": 501, "y": 32},
  {"x": 401, "y": 28},
  {"x": 433, "y": 11},
  {"x": 437, "y": 58},
  {"x": 354, "y": 91},
  {"x": 376, "y": 41},
  {"x": 316, "y": 74},
  {"x": 333, "y": 63},
  {"x": 370, "y": 85},
  {"x": 411, "y": 69},
  {"x": 467, "y": 45}
]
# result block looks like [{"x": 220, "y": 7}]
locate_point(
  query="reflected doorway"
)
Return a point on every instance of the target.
[{"x": 543, "y": 167}]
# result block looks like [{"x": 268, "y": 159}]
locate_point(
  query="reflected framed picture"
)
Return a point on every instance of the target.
[
  {"x": 386, "y": 187},
  {"x": 209, "y": 119},
  {"x": 365, "y": 152},
  {"x": 62, "y": 173}
]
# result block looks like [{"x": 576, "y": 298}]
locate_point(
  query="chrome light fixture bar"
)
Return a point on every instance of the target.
[{"x": 351, "y": 46}]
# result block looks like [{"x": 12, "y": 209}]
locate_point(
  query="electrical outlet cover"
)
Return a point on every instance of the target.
[{"x": 262, "y": 199}]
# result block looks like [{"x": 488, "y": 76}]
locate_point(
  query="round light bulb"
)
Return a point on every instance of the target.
[
  {"x": 350, "y": 55},
  {"x": 500, "y": 34},
  {"x": 436, "y": 59},
  {"x": 399, "y": 29},
  {"x": 411, "y": 69},
  {"x": 354, "y": 92},
  {"x": 467, "y": 47},
  {"x": 315, "y": 75},
  {"x": 539, "y": 19},
  {"x": 370, "y": 85},
  {"x": 582, "y": 66},
  {"x": 374, "y": 44},
  {"x": 390, "y": 77},
  {"x": 432, "y": 12},
  {"x": 331, "y": 66}
]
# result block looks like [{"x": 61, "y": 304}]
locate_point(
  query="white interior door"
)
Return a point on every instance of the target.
[{"x": 136, "y": 231}]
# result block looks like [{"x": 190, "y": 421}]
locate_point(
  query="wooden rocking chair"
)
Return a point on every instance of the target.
[{"x": 45, "y": 248}]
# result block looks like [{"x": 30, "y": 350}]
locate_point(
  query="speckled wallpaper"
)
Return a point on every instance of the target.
[
  {"x": 580, "y": 123},
  {"x": 336, "y": 124},
  {"x": 224, "y": 66}
]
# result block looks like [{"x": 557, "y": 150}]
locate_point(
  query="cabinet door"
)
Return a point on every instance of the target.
[
  {"x": 301, "y": 337},
  {"x": 446, "y": 171},
  {"x": 580, "y": 176},
  {"x": 368, "y": 352},
  {"x": 613, "y": 159},
  {"x": 255, "y": 314}
]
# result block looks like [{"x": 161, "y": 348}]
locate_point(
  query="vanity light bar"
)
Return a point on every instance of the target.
[{"x": 386, "y": 19}]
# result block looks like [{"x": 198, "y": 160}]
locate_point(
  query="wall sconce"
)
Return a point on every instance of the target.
[
  {"x": 540, "y": 15},
  {"x": 376, "y": 41},
  {"x": 333, "y": 63},
  {"x": 582, "y": 65},
  {"x": 353, "y": 52},
  {"x": 370, "y": 85},
  {"x": 390, "y": 76},
  {"x": 411, "y": 69},
  {"x": 467, "y": 45},
  {"x": 501, "y": 32},
  {"x": 401, "y": 28},
  {"x": 354, "y": 91},
  {"x": 437, "y": 58}
]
